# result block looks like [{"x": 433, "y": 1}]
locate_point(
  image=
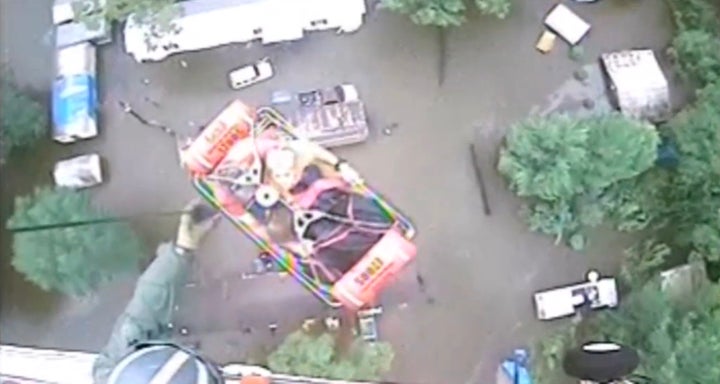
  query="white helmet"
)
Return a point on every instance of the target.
[{"x": 164, "y": 364}]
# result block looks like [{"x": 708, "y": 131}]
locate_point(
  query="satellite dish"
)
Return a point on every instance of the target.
[{"x": 601, "y": 362}]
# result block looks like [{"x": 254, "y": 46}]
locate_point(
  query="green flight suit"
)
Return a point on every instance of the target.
[{"x": 149, "y": 312}]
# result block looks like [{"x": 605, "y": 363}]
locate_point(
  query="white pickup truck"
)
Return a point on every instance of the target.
[{"x": 595, "y": 293}]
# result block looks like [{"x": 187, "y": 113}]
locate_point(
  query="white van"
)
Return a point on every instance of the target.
[{"x": 211, "y": 23}]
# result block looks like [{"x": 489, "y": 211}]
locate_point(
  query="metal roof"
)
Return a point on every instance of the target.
[{"x": 639, "y": 84}]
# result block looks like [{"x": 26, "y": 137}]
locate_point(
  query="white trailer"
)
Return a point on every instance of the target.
[{"x": 205, "y": 24}]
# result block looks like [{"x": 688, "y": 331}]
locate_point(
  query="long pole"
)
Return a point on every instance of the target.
[
  {"x": 101, "y": 220},
  {"x": 480, "y": 180}
]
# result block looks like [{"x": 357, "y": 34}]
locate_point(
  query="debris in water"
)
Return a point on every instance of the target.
[
  {"x": 273, "y": 328},
  {"x": 170, "y": 325},
  {"x": 403, "y": 305},
  {"x": 247, "y": 330},
  {"x": 588, "y": 103},
  {"x": 153, "y": 102},
  {"x": 546, "y": 42},
  {"x": 146, "y": 81},
  {"x": 308, "y": 324},
  {"x": 420, "y": 280},
  {"x": 125, "y": 106},
  {"x": 581, "y": 75},
  {"x": 184, "y": 331},
  {"x": 332, "y": 323},
  {"x": 576, "y": 52},
  {"x": 183, "y": 63}
]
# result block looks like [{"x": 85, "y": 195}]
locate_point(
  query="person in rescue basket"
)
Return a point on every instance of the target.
[{"x": 139, "y": 350}]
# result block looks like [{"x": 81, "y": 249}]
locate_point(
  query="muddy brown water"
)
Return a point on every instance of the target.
[{"x": 479, "y": 270}]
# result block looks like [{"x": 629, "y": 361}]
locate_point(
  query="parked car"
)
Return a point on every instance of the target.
[{"x": 251, "y": 74}]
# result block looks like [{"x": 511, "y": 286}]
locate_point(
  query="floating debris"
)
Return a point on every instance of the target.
[
  {"x": 146, "y": 81},
  {"x": 184, "y": 331},
  {"x": 388, "y": 130},
  {"x": 151, "y": 101},
  {"x": 332, "y": 323},
  {"x": 576, "y": 52},
  {"x": 581, "y": 75},
  {"x": 183, "y": 63}
]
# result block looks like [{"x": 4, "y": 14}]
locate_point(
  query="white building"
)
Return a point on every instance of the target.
[
  {"x": 211, "y": 23},
  {"x": 638, "y": 84}
]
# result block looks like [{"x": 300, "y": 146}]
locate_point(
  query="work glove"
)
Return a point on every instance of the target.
[
  {"x": 196, "y": 221},
  {"x": 348, "y": 173}
]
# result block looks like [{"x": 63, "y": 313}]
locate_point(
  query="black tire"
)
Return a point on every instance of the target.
[{"x": 601, "y": 366}]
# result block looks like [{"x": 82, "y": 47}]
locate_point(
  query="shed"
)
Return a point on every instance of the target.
[{"x": 638, "y": 84}]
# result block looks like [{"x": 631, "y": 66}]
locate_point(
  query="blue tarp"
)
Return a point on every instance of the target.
[
  {"x": 74, "y": 101},
  {"x": 515, "y": 368}
]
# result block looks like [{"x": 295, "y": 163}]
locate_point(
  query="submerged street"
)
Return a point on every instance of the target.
[{"x": 479, "y": 270}]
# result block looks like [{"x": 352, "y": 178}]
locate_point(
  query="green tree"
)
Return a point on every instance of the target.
[
  {"x": 677, "y": 340},
  {"x": 309, "y": 355},
  {"x": 73, "y": 260},
  {"x": 444, "y": 13},
  {"x": 691, "y": 195},
  {"x": 23, "y": 121},
  {"x": 575, "y": 171},
  {"x": 158, "y": 15},
  {"x": 695, "y": 46},
  {"x": 697, "y": 54}
]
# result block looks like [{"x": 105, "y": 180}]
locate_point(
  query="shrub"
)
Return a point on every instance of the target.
[{"x": 73, "y": 260}]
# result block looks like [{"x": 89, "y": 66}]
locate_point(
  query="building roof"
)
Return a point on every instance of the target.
[{"x": 639, "y": 84}]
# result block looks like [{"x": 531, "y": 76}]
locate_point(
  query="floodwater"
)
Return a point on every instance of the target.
[{"x": 480, "y": 270}]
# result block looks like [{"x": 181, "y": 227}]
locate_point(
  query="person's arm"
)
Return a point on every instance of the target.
[
  {"x": 305, "y": 148},
  {"x": 149, "y": 312}
]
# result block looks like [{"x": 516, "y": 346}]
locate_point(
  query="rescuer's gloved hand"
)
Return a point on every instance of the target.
[{"x": 196, "y": 221}]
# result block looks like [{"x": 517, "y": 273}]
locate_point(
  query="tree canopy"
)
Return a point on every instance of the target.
[
  {"x": 73, "y": 260},
  {"x": 23, "y": 120},
  {"x": 695, "y": 47},
  {"x": 576, "y": 170},
  {"x": 157, "y": 14},
  {"x": 445, "y": 13},
  {"x": 306, "y": 354},
  {"x": 692, "y": 193},
  {"x": 678, "y": 341}
]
